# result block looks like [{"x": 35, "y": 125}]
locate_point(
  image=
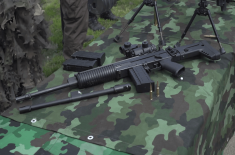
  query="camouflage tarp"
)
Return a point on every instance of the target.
[
  {"x": 192, "y": 116},
  {"x": 23, "y": 33},
  {"x": 18, "y": 138}
]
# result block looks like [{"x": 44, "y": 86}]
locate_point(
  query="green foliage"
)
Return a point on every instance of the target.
[
  {"x": 53, "y": 64},
  {"x": 52, "y": 13}
]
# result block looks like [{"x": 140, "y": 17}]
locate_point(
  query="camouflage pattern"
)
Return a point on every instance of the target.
[
  {"x": 32, "y": 140},
  {"x": 23, "y": 34},
  {"x": 193, "y": 116}
]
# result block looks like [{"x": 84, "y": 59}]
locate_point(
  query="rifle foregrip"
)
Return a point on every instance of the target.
[{"x": 96, "y": 76}]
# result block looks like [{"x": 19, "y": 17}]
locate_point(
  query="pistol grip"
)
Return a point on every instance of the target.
[{"x": 175, "y": 68}]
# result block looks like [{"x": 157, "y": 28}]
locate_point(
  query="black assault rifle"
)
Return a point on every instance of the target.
[{"x": 137, "y": 67}]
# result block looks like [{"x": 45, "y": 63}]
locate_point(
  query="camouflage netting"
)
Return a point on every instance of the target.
[{"x": 23, "y": 34}]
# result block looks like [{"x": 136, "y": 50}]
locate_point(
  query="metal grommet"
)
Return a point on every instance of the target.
[
  {"x": 34, "y": 120},
  {"x": 181, "y": 78},
  {"x": 90, "y": 137}
]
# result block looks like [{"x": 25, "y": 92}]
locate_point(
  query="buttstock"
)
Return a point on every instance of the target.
[{"x": 209, "y": 52}]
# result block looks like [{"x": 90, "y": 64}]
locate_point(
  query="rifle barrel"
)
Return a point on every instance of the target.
[
  {"x": 115, "y": 89},
  {"x": 30, "y": 95}
]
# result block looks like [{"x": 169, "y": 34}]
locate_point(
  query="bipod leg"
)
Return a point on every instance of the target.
[
  {"x": 222, "y": 51},
  {"x": 186, "y": 30},
  {"x": 116, "y": 39},
  {"x": 159, "y": 25}
]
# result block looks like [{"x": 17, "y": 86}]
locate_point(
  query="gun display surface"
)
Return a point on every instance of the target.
[{"x": 138, "y": 67}]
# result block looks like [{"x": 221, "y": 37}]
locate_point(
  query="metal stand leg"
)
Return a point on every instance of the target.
[
  {"x": 186, "y": 30},
  {"x": 217, "y": 37},
  {"x": 116, "y": 39},
  {"x": 159, "y": 25},
  {"x": 148, "y": 3},
  {"x": 202, "y": 10}
]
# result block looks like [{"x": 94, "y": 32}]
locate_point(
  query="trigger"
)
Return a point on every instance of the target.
[
  {"x": 146, "y": 67},
  {"x": 157, "y": 66}
]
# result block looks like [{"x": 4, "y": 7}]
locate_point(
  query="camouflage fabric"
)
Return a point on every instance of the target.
[
  {"x": 23, "y": 34},
  {"x": 32, "y": 140},
  {"x": 192, "y": 116}
]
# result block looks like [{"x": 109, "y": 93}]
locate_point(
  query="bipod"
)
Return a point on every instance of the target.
[
  {"x": 151, "y": 3},
  {"x": 202, "y": 11}
]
